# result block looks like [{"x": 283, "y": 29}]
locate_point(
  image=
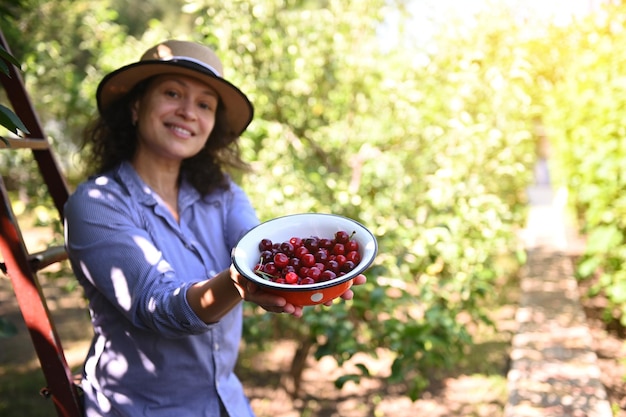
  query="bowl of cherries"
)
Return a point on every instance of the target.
[{"x": 308, "y": 258}]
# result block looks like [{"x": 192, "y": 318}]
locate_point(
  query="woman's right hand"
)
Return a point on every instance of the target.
[{"x": 270, "y": 302}]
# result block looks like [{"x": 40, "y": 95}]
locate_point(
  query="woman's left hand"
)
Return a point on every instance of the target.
[{"x": 349, "y": 294}]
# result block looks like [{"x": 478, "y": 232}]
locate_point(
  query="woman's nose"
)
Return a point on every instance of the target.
[{"x": 186, "y": 110}]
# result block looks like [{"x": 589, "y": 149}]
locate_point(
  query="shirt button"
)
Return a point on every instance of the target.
[{"x": 216, "y": 347}]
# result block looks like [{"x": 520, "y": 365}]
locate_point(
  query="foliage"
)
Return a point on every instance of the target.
[
  {"x": 8, "y": 119},
  {"x": 585, "y": 99},
  {"x": 433, "y": 155}
]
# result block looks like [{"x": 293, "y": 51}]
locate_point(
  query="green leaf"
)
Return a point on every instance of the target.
[
  {"x": 6, "y": 56},
  {"x": 604, "y": 238},
  {"x": 7, "y": 328},
  {"x": 9, "y": 120},
  {"x": 341, "y": 381},
  {"x": 588, "y": 267},
  {"x": 4, "y": 68},
  {"x": 617, "y": 292},
  {"x": 363, "y": 368}
]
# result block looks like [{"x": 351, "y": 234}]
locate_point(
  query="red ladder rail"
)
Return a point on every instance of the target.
[{"x": 21, "y": 267}]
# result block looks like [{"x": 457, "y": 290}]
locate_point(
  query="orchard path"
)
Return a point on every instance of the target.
[{"x": 554, "y": 370}]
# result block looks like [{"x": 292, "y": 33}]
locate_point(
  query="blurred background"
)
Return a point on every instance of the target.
[{"x": 427, "y": 121}]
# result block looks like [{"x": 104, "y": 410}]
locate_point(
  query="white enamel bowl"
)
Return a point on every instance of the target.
[{"x": 246, "y": 254}]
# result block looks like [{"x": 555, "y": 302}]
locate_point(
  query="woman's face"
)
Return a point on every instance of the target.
[{"x": 174, "y": 117}]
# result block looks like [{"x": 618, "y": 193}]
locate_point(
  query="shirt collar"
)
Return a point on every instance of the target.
[{"x": 128, "y": 177}]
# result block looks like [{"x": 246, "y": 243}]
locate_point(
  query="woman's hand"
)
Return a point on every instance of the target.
[
  {"x": 251, "y": 292},
  {"x": 349, "y": 294}
]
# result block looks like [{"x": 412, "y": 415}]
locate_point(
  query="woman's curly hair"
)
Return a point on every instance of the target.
[{"x": 111, "y": 139}]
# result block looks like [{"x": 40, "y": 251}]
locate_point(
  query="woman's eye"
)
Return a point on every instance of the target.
[
  {"x": 207, "y": 106},
  {"x": 171, "y": 93}
]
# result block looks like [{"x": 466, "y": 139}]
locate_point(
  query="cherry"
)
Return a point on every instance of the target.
[
  {"x": 321, "y": 255},
  {"x": 326, "y": 243},
  {"x": 281, "y": 260},
  {"x": 314, "y": 272},
  {"x": 270, "y": 268},
  {"x": 332, "y": 266},
  {"x": 348, "y": 266},
  {"x": 291, "y": 278},
  {"x": 341, "y": 259},
  {"x": 295, "y": 262},
  {"x": 354, "y": 256},
  {"x": 342, "y": 236},
  {"x": 352, "y": 245},
  {"x": 327, "y": 275},
  {"x": 287, "y": 248},
  {"x": 311, "y": 243},
  {"x": 301, "y": 250},
  {"x": 265, "y": 244},
  {"x": 339, "y": 249},
  {"x": 308, "y": 259},
  {"x": 267, "y": 256}
]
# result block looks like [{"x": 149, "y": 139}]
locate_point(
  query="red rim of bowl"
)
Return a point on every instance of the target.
[{"x": 362, "y": 266}]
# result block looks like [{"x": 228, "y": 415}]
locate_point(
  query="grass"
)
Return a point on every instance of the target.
[{"x": 19, "y": 394}]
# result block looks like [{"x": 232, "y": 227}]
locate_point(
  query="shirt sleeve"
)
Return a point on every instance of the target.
[
  {"x": 121, "y": 268},
  {"x": 240, "y": 216}
]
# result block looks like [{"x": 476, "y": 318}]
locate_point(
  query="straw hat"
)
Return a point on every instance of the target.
[{"x": 185, "y": 58}]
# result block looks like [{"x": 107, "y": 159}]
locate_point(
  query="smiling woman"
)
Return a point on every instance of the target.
[{"x": 150, "y": 236}]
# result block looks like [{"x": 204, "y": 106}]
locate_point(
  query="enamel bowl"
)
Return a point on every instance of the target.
[{"x": 246, "y": 254}]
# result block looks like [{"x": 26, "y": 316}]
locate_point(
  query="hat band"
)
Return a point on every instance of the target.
[{"x": 195, "y": 61}]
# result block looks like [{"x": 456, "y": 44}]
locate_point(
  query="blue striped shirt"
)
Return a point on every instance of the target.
[{"x": 151, "y": 355}]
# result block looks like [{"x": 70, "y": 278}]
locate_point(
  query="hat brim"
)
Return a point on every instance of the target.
[{"x": 238, "y": 109}]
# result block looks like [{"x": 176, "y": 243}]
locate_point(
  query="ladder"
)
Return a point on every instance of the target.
[{"x": 21, "y": 267}]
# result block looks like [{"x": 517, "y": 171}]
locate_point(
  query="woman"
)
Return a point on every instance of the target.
[{"x": 149, "y": 238}]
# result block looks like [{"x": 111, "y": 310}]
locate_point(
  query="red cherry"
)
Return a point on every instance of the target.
[
  {"x": 265, "y": 244},
  {"x": 270, "y": 268},
  {"x": 287, "y": 248},
  {"x": 333, "y": 266},
  {"x": 339, "y": 249},
  {"x": 348, "y": 266},
  {"x": 354, "y": 257},
  {"x": 326, "y": 243},
  {"x": 295, "y": 262},
  {"x": 352, "y": 245},
  {"x": 312, "y": 243},
  {"x": 308, "y": 259},
  {"x": 300, "y": 250},
  {"x": 307, "y": 280},
  {"x": 314, "y": 272},
  {"x": 296, "y": 242},
  {"x": 281, "y": 260},
  {"x": 342, "y": 236},
  {"x": 291, "y": 278},
  {"x": 321, "y": 255},
  {"x": 267, "y": 256},
  {"x": 327, "y": 275}
]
